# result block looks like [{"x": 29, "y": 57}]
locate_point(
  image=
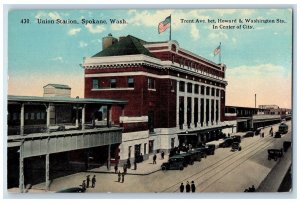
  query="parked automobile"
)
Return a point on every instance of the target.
[
  {"x": 71, "y": 190},
  {"x": 236, "y": 146},
  {"x": 210, "y": 149},
  {"x": 258, "y": 130},
  {"x": 188, "y": 158},
  {"x": 274, "y": 154},
  {"x": 226, "y": 143},
  {"x": 236, "y": 138},
  {"x": 200, "y": 153},
  {"x": 249, "y": 134},
  {"x": 277, "y": 135},
  {"x": 174, "y": 163}
]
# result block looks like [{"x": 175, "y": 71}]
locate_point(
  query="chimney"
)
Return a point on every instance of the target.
[{"x": 108, "y": 41}]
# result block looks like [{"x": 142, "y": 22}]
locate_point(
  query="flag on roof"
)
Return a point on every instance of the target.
[
  {"x": 217, "y": 50},
  {"x": 162, "y": 26}
]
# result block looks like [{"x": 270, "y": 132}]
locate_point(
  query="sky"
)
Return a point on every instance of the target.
[{"x": 258, "y": 60}]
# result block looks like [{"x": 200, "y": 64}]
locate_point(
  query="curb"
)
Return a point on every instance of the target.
[{"x": 128, "y": 173}]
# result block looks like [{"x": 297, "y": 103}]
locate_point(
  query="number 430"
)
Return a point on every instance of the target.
[{"x": 25, "y": 21}]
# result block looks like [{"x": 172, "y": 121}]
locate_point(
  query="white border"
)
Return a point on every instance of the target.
[{"x": 154, "y": 4}]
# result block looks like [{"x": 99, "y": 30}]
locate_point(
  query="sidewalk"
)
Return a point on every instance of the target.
[{"x": 144, "y": 168}]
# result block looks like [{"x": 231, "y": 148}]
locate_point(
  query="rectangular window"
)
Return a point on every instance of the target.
[
  {"x": 130, "y": 82},
  {"x": 181, "y": 86},
  {"x": 190, "y": 87},
  {"x": 32, "y": 116},
  {"x": 15, "y": 116},
  {"x": 95, "y": 84},
  {"x": 113, "y": 83},
  {"x": 172, "y": 84},
  {"x": 196, "y": 89},
  {"x": 42, "y": 115},
  {"x": 26, "y": 116},
  {"x": 217, "y": 92},
  {"x": 38, "y": 116},
  {"x": 212, "y": 91},
  {"x": 207, "y": 90},
  {"x": 151, "y": 83},
  {"x": 202, "y": 89}
]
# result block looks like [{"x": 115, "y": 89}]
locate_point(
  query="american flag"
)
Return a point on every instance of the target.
[
  {"x": 217, "y": 50},
  {"x": 162, "y": 26}
]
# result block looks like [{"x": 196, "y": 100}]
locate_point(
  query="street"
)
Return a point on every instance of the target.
[{"x": 226, "y": 171}]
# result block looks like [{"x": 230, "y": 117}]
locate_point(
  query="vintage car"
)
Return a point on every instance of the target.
[
  {"x": 199, "y": 152},
  {"x": 188, "y": 158},
  {"x": 236, "y": 138},
  {"x": 274, "y": 154},
  {"x": 249, "y": 134},
  {"x": 174, "y": 163},
  {"x": 236, "y": 146},
  {"x": 277, "y": 135},
  {"x": 227, "y": 142}
]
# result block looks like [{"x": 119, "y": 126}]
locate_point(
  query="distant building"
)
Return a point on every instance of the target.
[
  {"x": 57, "y": 90},
  {"x": 275, "y": 110},
  {"x": 175, "y": 97}
]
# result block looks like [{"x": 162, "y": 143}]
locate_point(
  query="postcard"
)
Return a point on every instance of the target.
[{"x": 150, "y": 100}]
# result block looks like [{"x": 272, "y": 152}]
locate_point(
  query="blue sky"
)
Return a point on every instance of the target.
[{"x": 259, "y": 60}]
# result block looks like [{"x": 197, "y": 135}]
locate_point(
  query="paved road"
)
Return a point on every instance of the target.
[{"x": 226, "y": 171}]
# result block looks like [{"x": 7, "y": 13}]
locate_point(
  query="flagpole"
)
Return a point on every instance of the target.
[
  {"x": 170, "y": 36},
  {"x": 220, "y": 54}
]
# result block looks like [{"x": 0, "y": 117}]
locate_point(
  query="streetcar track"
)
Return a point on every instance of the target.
[{"x": 223, "y": 161}]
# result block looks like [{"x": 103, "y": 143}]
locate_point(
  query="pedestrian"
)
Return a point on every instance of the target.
[
  {"x": 123, "y": 174},
  {"x": 193, "y": 187},
  {"x": 128, "y": 163},
  {"x": 93, "y": 181},
  {"x": 187, "y": 187},
  {"x": 83, "y": 185},
  {"x": 252, "y": 189},
  {"x": 88, "y": 181},
  {"x": 181, "y": 187},
  {"x": 154, "y": 159},
  {"x": 135, "y": 165},
  {"x": 116, "y": 168},
  {"x": 263, "y": 135},
  {"x": 119, "y": 176},
  {"x": 162, "y": 155}
]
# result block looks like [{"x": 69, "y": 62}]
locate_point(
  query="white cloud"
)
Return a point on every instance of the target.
[
  {"x": 58, "y": 58},
  {"x": 96, "y": 29},
  {"x": 82, "y": 44},
  {"x": 74, "y": 31},
  {"x": 118, "y": 26},
  {"x": 54, "y": 15},
  {"x": 220, "y": 36},
  {"x": 195, "y": 32}
]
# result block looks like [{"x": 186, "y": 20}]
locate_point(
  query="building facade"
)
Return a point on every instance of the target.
[{"x": 175, "y": 97}]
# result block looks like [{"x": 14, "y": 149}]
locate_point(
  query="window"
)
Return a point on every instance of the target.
[
  {"x": 217, "y": 92},
  {"x": 38, "y": 116},
  {"x": 202, "y": 90},
  {"x": 32, "y": 116},
  {"x": 26, "y": 116},
  {"x": 172, "y": 83},
  {"x": 113, "y": 83},
  {"x": 190, "y": 87},
  {"x": 15, "y": 116},
  {"x": 212, "y": 91},
  {"x": 151, "y": 83},
  {"x": 196, "y": 89},
  {"x": 181, "y": 86},
  {"x": 43, "y": 115},
  {"x": 207, "y": 90},
  {"x": 130, "y": 82},
  {"x": 95, "y": 84}
]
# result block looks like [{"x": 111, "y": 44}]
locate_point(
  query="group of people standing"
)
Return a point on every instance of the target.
[
  {"x": 188, "y": 187},
  {"x": 86, "y": 183}
]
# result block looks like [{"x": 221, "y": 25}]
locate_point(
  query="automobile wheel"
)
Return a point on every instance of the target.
[
  {"x": 205, "y": 156},
  {"x": 240, "y": 148},
  {"x": 163, "y": 168},
  {"x": 181, "y": 168},
  {"x": 192, "y": 162},
  {"x": 275, "y": 158}
]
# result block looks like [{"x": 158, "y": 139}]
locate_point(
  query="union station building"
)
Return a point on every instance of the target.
[{"x": 175, "y": 97}]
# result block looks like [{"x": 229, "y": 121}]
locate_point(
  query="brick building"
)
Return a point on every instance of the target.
[{"x": 175, "y": 97}]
